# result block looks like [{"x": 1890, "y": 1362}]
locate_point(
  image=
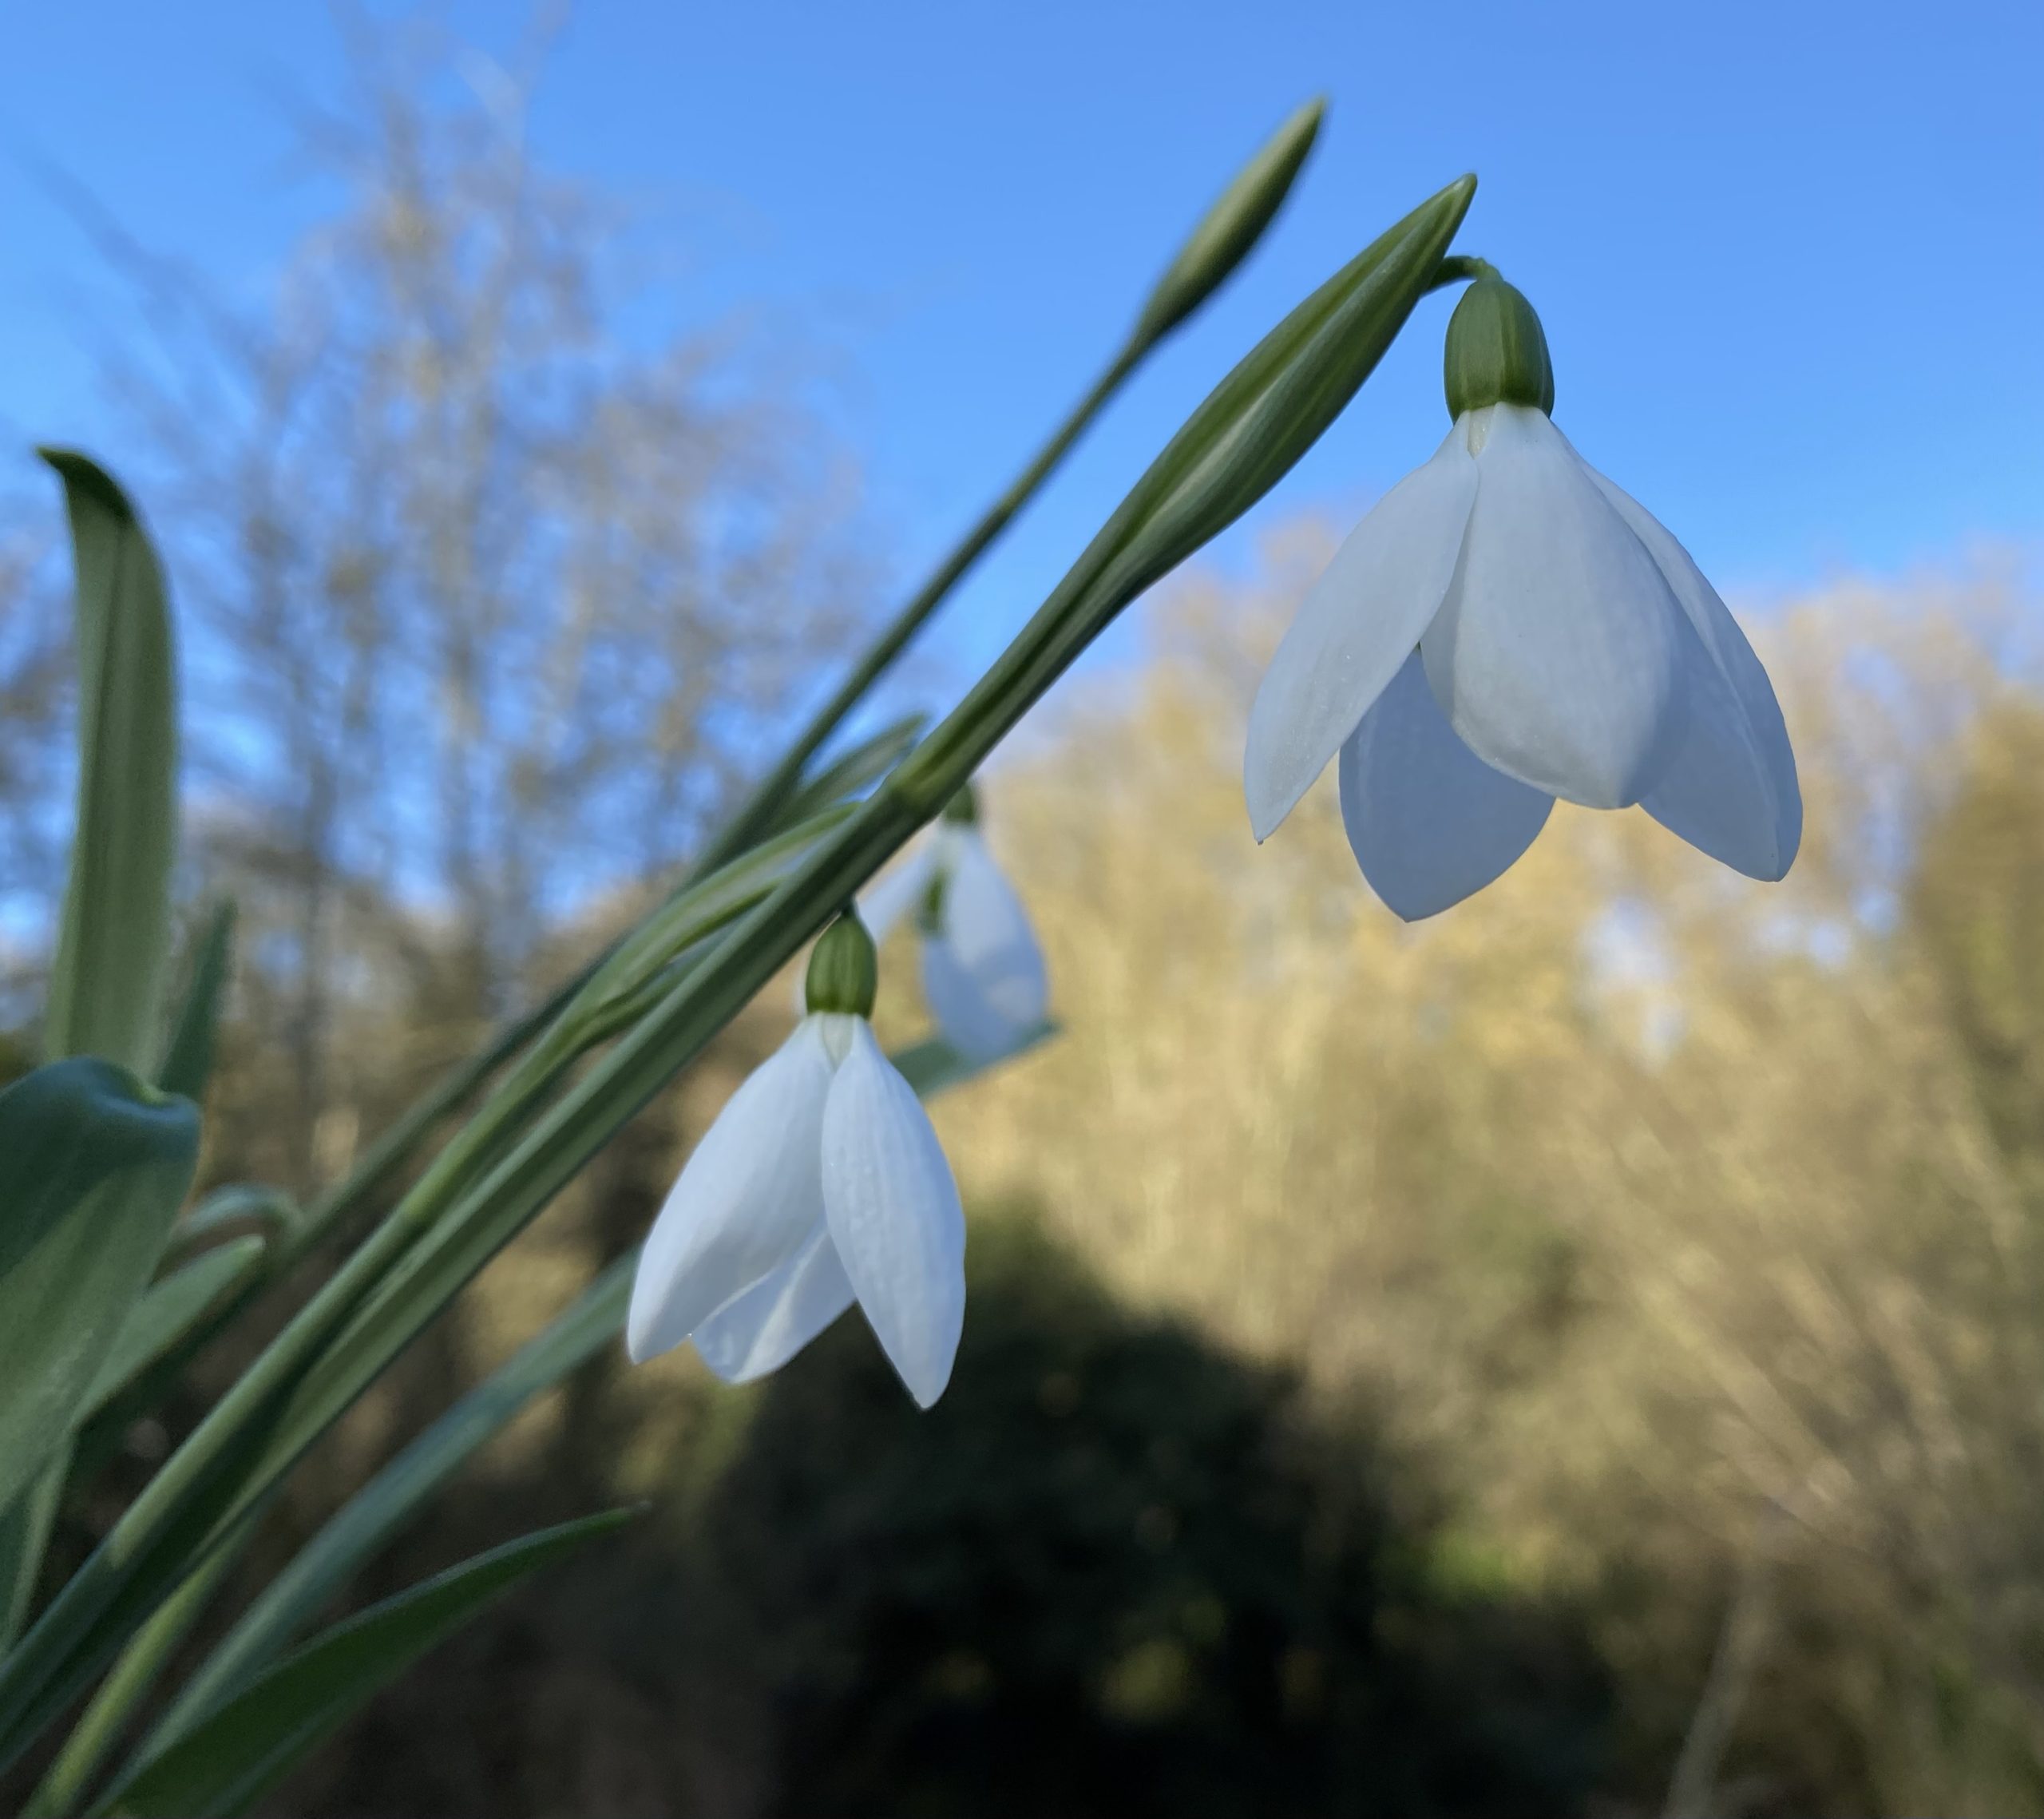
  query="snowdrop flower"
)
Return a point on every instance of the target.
[
  {"x": 983, "y": 971},
  {"x": 1506, "y": 627},
  {"x": 821, "y": 1182}
]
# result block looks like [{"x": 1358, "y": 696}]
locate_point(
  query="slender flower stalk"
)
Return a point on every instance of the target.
[{"x": 1506, "y": 626}]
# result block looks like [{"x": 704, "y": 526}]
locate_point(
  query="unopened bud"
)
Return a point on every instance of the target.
[{"x": 1232, "y": 226}]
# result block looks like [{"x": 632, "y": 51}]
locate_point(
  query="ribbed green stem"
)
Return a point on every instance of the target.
[
  {"x": 744, "y": 826},
  {"x": 1235, "y": 446},
  {"x": 99, "y": 1726}
]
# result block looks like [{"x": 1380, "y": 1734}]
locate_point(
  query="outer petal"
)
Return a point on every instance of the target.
[
  {"x": 1354, "y": 629},
  {"x": 750, "y": 1196},
  {"x": 1557, "y": 655},
  {"x": 1731, "y": 787},
  {"x": 774, "y": 1319},
  {"x": 893, "y": 1214},
  {"x": 1429, "y": 822},
  {"x": 983, "y": 974}
]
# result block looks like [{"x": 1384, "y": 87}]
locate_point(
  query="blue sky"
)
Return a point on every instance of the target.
[{"x": 1790, "y": 257}]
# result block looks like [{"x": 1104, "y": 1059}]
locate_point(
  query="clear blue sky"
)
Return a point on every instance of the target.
[{"x": 1790, "y": 257}]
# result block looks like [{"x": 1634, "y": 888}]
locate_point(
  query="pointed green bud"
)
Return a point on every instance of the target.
[
  {"x": 844, "y": 971},
  {"x": 962, "y": 810},
  {"x": 1232, "y": 226},
  {"x": 1496, "y": 351}
]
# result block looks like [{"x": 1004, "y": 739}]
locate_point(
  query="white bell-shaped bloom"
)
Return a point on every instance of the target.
[
  {"x": 983, "y": 971},
  {"x": 820, "y": 1183},
  {"x": 1506, "y": 627}
]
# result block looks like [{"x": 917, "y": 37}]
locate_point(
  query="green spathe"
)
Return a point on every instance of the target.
[
  {"x": 1233, "y": 225},
  {"x": 1496, "y": 351}
]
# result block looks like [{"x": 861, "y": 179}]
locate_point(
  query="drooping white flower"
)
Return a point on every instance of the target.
[
  {"x": 983, "y": 971},
  {"x": 821, "y": 1182},
  {"x": 1506, "y": 626}
]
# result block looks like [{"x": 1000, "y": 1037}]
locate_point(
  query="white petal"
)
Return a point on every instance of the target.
[
  {"x": 1429, "y": 822},
  {"x": 894, "y": 1216},
  {"x": 983, "y": 973},
  {"x": 750, "y": 1194},
  {"x": 1557, "y": 655},
  {"x": 1731, "y": 787},
  {"x": 774, "y": 1319},
  {"x": 1354, "y": 629}
]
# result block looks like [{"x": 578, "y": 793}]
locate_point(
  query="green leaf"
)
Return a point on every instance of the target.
[
  {"x": 368, "y": 1518},
  {"x": 208, "y": 1491},
  {"x": 167, "y": 1312},
  {"x": 187, "y": 1061},
  {"x": 240, "y": 1751},
  {"x": 25, "y": 1525},
  {"x": 1235, "y": 446},
  {"x": 106, "y": 983},
  {"x": 93, "y": 1165},
  {"x": 865, "y": 764}
]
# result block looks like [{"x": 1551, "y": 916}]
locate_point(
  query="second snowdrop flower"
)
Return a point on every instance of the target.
[
  {"x": 1506, "y": 626},
  {"x": 821, "y": 1183},
  {"x": 983, "y": 971}
]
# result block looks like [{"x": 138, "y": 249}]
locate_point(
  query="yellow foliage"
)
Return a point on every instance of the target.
[{"x": 1637, "y": 1194}]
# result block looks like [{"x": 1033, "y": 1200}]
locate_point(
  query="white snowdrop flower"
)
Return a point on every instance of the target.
[
  {"x": 1506, "y": 627},
  {"x": 982, "y": 969},
  {"x": 821, "y": 1183}
]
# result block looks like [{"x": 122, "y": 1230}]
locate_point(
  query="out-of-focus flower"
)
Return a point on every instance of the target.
[{"x": 982, "y": 969}]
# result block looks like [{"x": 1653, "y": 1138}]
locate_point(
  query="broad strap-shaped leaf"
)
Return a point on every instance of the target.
[
  {"x": 376, "y": 1512},
  {"x": 93, "y": 1165},
  {"x": 167, "y": 1310},
  {"x": 105, "y": 986},
  {"x": 187, "y": 1058},
  {"x": 246, "y": 1746}
]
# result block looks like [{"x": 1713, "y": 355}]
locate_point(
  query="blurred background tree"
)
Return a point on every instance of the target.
[
  {"x": 1579, "y": 1355},
  {"x": 490, "y": 587}
]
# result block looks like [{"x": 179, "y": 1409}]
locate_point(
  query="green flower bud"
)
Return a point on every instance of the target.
[
  {"x": 844, "y": 971},
  {"x": 1231, "y": 227},
  {"x": 1496, "y": 351},
  {"x": 962, "y": 810}
]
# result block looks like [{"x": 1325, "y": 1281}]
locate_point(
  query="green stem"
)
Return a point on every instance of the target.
[
  {"x": 1231, "y": 451},
  {"x": 394, "y": 1146},
  {"x": 1458, "y": 268},
  {"x": 99, "y": 1726},
  {"x": 744, "y": 825}
]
